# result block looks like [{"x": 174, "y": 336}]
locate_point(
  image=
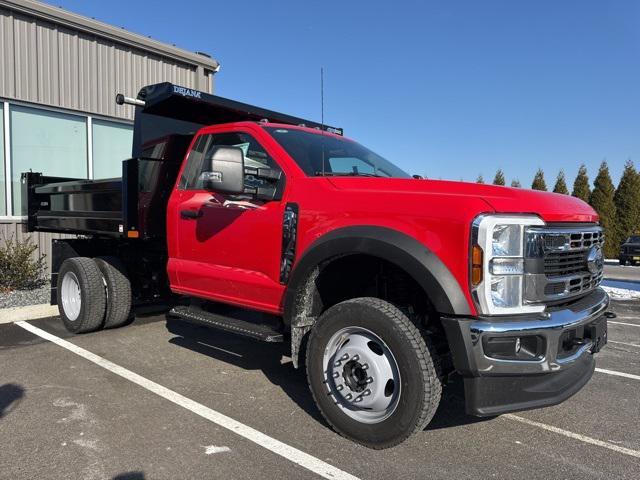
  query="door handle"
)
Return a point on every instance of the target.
[{"x": 190, "y": 214}]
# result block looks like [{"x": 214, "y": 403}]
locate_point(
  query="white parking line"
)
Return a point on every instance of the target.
[
  {"x": 576, "y": 436},
  {"x": 618, "y": 374},
  {"x": 624, "y": 343},
  {"x": 292, "y": 454},
  {"x": 623, "y": 323}
]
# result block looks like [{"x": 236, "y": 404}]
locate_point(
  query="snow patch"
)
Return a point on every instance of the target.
[
  {"x": 622, "y": 293},
  {"x": 211, "y": 449}
]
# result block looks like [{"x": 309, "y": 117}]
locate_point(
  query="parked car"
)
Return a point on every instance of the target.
[{"x": 630, "y": 251}]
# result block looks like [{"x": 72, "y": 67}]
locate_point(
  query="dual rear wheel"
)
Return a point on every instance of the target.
[{"x": 93, "y": 293}]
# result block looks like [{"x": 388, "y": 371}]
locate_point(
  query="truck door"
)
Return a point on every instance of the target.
[{"x": 227, "y": 247}]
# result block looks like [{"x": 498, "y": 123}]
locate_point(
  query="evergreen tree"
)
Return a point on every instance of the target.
[
  {"x": 602, "y": 201},
  {"x": 538, "y": 181},
  {"x": 480, "y": 179},
  {"x": 627, "y": 200},
  {"x": 499, "y": 178},
  {"x": 561, "y": 185},
  {"x": 515, "y": 183},
  {"x": 581, "y": 185}
]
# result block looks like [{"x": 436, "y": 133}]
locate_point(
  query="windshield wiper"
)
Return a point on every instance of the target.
[{"x": 345, "y": 174}]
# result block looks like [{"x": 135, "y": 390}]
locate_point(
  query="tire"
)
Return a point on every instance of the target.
[
  {"x": 623, "y": 261},
  {"x": 118, "y": 310},
  {"x": 81, "y": 295},
  {"x": 401, "y": 401}
]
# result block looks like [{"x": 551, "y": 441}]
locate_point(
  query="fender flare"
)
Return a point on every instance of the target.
[{"x": 406, "y": 252}]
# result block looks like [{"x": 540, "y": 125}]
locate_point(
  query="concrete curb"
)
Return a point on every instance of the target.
[{"x": 30, "y": 312}]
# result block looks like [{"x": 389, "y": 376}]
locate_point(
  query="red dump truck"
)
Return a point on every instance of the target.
[{"x": 281, "y": 229}]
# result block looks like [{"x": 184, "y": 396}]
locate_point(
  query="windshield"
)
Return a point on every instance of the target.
[
  {"x": 339, "y": 155},
  {"x": 633, "y": 239}
]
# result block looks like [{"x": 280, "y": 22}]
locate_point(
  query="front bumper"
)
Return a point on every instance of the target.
[{"x": 499, "y": 385}]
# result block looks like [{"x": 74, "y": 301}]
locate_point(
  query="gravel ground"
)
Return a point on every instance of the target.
[{"x": 21, "y": 298}]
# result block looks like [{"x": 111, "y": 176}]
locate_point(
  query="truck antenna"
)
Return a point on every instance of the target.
[{"x": 322, "y": 113}]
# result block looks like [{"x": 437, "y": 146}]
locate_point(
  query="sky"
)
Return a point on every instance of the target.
[{"x": 445, "y": 89}]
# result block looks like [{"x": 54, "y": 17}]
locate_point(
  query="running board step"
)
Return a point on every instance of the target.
[{"x": 257, "y": 331}]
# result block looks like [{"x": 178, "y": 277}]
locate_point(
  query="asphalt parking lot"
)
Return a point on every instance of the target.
[
  {"x": 614, "y": 271},
  {"x": 164, "y": 399}
]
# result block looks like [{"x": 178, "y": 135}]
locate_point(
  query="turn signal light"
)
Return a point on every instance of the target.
[{"x": 476, "y": 265}]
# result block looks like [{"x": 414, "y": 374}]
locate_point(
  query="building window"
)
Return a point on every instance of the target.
[
  {"x": 111, "y": 145},
  {"x": 3, "y": 208},
  {"x": 45, "y": 141}
]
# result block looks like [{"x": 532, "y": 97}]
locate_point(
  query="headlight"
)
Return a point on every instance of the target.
[{"x": 497, "y": 263}]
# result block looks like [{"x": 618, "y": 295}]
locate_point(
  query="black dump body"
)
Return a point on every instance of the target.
[{"x": 134, "y": 206}]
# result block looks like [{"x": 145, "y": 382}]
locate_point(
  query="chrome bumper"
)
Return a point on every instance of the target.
[
  {"x": 466, "y": 338},
  {"x": 494, "y": 386}
]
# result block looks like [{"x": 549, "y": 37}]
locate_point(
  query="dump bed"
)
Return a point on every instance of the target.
[
  {"x": 133, "y": 206},
  {"x": 55, "y": 204}
]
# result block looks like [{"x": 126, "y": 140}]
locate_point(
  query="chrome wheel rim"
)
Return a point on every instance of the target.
[
  {"x": 362, "y": 375},
  {"x": 70, "y": 294}
]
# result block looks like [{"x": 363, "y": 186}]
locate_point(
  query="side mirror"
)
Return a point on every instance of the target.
[{"x": 226, "y": 170}]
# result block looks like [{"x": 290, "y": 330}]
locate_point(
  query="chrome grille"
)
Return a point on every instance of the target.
[
  {"x": 560, "y": 264},
  {"x": 557, "y": 259},
  {"x": 585, "y": 240}
]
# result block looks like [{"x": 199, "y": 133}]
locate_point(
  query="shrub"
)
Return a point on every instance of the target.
[{"x": 19, "y": 270}]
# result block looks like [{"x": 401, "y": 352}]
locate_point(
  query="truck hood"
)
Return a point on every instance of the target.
[{"x": 551, "y": 207}]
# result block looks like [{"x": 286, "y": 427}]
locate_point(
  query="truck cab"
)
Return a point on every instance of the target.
[{"x": 384, "y": 285}]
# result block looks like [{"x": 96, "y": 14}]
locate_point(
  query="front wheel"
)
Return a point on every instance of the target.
[{"x": 371, "y": 373}]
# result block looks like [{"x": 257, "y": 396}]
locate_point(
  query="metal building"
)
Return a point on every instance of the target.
[{"x": 59, "y": 74}]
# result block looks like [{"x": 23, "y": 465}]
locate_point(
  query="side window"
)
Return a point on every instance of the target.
[
  {"x": 193, "y": 168},
  {"x": 255, "y": 156}
]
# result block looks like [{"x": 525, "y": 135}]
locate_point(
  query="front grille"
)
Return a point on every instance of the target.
[
  {"x": 561, "y": 264},
  {"x": 565, "y": 253},
  {"x": 558, "y": 258},
  {"x": 585, "y": 240}
]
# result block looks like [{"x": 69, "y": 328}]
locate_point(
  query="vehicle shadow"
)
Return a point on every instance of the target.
[
  {"x": 451, "y": 412},
  {"x": 11, "y": 395},
  {"x": 130, "y": 476},
  {"x": 250, "y": 355}
]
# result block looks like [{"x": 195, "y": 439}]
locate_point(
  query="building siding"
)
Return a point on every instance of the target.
[
  {"x": 50, "y": 64},
  {"x": 55, "y": 58}
]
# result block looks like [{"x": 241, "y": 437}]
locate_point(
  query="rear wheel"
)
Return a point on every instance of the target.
[
  {"x": 118, "y": 290},
  {"x": 371, "y": 372},
  {"x": 81, "y": 295}
]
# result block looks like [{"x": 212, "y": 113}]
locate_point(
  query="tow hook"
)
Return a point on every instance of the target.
[{"x": 610, "y": 315}]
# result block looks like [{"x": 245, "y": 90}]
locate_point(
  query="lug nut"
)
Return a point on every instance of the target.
[
  {"x": 366, "y": 393},
  {"x": 348, "y": 396},
  {"x": 365, "y": 366},
  {"x": 356, "y": 357},
  {"x": 339, "y": 387},
  {"x": 336, "y": 374},
  {"x": 344, "y": 357},
  {"x": 369, "y": 379}
]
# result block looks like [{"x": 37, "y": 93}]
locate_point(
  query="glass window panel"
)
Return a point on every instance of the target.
[
  {"x": 45, "y": 141},
  {"x": 3, "y": 197},
  {"x": 111, "y": 145}
]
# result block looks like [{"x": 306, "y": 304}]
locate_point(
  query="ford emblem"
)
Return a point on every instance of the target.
[{"x": 595, "y": 260}]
